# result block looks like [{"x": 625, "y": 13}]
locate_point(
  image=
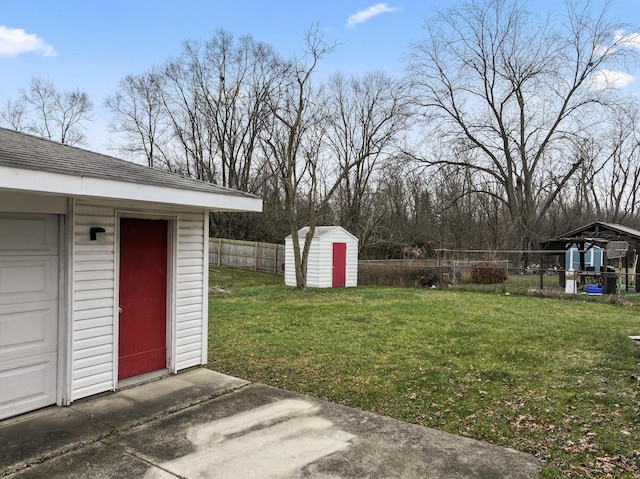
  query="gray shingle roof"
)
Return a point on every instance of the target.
[{"x": 20, "y": 150}]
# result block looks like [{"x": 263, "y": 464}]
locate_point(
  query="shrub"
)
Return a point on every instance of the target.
[
  {"x": 428, "y": 277},
  {"x": 396, "y": 275},
  {"x": 486, "y": 273}
]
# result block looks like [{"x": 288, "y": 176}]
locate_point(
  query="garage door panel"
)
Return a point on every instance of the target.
[
  {"x": 27, "y": 384},
  {"x": 28, "y": 279},
  {"x": 28, "y": 312},
  {"x": 28, "y": 329},
  {"x": 35, "y": 234}
]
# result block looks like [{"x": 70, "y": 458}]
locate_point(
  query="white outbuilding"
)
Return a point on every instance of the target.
[
  {"x": 103, "y": 271},
  {"x": 333, "y": 258}
]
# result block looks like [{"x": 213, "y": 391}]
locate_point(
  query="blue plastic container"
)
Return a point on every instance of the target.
[{"x": 593, "y": 289}]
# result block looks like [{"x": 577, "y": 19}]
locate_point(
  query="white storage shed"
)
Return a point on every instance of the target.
[
  {"x": 103, "y": 271},
  {"x": 333, "y": 258}
]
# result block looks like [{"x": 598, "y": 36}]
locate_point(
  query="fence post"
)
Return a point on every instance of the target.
[
  {"x": 255, "y": 256},
  {"x": 219, "y": 252},
  {"x": 541, "y": 272},
  {"x": 275, "y": 260}
]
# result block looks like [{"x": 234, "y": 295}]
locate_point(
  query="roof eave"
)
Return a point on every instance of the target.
[{"x": 17, "y": 179}]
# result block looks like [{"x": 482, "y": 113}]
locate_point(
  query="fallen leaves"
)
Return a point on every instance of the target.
[
  {"x": 583, "y": 445},
  {"x": 607, "y": 467}
]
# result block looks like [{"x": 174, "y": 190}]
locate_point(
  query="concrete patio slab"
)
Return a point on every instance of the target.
[
  {"x": 95, "y": 461},
  {"x": 43, "y": 434},
  {"x": 202, "y": 424},
  {"x": 289, "y": 435},
  {"x": 141, "y": 403}
]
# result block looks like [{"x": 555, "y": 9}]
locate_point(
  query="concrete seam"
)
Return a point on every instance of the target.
[
  {"x": 139, "y": 458},
  {"x": 55, "y": 453}
]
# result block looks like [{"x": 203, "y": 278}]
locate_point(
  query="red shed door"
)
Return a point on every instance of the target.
[
  {"x": 339, "y": 265},
  {"x": 143, "y": 297}
]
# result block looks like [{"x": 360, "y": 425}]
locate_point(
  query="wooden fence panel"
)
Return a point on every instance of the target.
[{"x": 265, "y": 257}]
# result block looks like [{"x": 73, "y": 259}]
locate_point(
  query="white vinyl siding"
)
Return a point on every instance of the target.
[
  {"x": 93, "y": 292},
  {"x": 352, "y": 264},
  {"x": 324, "y": 275},
  {"x": 289, "y": 263},
  {"x": 315, "y": 273},
  {"x": 94, "y": 327},
  {"x": 190, "y": 287}
]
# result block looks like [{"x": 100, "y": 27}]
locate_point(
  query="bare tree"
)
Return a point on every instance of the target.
[
  {"x": 214, "y": 97},
  {"x": 615, "y": 185},
  {"x": 392, "y": 208},
  {"x": 293, "y": 140},
  {"x": 397, "y": 212},
  {"x": 245, "y": 71},
  {"x": 366, "y": 117},
  {"x": 511, "y": 94},
  {"x": 13, "y": 114},
  {"x": 182, "y": 100},
  {"x": 141, "y": 120},
  {"x": 45, "y": 111}
]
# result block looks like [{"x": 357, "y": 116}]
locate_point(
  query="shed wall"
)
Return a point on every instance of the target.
[
  {"x": 289, "y": 268},
  {"x": 320, "y": 262},
  {"x": 320, "y": 275},
  {"x": 313, "y": 276},
  {"x": 352, "y": 264},
  {"x": 325, "y": 263}
]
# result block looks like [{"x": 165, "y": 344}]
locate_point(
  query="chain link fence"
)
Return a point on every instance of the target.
[{"x": 503, "y": 271}]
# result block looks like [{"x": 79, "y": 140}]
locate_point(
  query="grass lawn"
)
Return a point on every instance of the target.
[{"x": 555, "y": 378}]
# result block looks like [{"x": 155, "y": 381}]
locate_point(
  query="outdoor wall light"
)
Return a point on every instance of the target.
[{"x": 96, "y": 233}]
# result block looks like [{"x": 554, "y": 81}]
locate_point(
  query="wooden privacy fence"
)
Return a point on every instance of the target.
[{"x": 266, "y": 257}]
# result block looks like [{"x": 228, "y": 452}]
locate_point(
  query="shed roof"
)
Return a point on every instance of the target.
[
  {"x": 322, "y": 231},
  {"x": 30, "y": 163}
]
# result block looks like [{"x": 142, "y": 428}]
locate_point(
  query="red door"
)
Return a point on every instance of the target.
[
  {"x": 339, "y": 265},
  {"x": 143, "y": 297}
]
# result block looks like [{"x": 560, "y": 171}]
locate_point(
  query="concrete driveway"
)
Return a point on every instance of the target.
[{"x": 202, "y": 424}]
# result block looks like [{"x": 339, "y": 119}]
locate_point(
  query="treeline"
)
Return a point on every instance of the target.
[{"x": 508, "y": 128}]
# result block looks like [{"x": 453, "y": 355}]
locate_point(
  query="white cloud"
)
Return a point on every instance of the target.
[
  {"x": 14, "y": 41},
  {"x": 604, "y": 79},
  {"x": 367, "y": 14},
  {"x": 629, "y": 40}
]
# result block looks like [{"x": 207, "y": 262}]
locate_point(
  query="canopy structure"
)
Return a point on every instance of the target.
[{"x": 617, "y": 242}]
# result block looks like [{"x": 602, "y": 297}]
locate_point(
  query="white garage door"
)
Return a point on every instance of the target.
[{"x": 28, "y": 312}]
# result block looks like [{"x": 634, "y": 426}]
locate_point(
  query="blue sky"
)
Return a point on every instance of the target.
[{"x": 92, "y": 44}]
